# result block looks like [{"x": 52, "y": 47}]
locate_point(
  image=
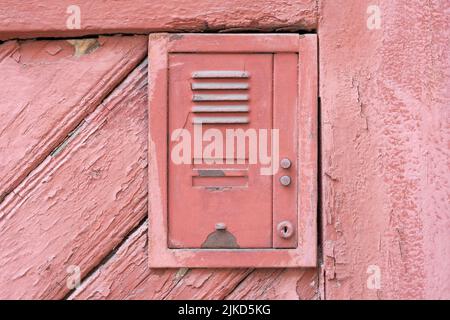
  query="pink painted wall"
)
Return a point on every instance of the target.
[
  {"x": 385, "y": 148},
  {"x": 385, "y": 140}
]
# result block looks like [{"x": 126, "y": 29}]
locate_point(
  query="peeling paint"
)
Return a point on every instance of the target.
[
  {"x": 84, "y": 46},
  {"x": 67, "y": 140},
  {"x": 53, "y": 48}
]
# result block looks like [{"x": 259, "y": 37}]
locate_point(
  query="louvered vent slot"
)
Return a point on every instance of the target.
[
  {"x": 224, "y": 92},
  {"x": 220, "y": 98}
]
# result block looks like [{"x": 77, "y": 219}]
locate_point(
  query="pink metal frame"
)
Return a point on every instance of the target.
[{"x": 160, "y": 46}]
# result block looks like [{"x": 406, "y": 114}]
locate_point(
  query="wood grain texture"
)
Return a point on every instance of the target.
[
  {"x": 25, "y": 19},
  {"x": 385, "y": 134},
  {"x": 208, "y": 284},
  {"x": 278, "y": 284},
  {"x": 47, "y": 88},
  {"x": 127, "y": 276},
  {"x": 78, "y": 205}
]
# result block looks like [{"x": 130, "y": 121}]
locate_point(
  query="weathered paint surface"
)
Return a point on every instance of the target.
[
  {"x": 25, "y": 19},
  {"x": 171, "y": 66},
  {"x": 385, "y": 149},
  {"x": 47, "y": 88},
  {"x": 127, "y": 276},
  {"x": 84, "y": 205},
  {"x": 77, "y": 205}
]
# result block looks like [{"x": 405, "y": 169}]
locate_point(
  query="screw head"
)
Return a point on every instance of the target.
[
  {"x": 285, "y": 163},
  {"x": 285, "y": 180},
  {"x": 221, "y": 226}
]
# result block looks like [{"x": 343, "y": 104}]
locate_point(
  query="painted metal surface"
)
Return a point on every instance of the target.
[
  {"x": 219, "y": 86},
  {"x": 220, "y": 74},
  {"x": 245, "y": 207},
  {"x": 221, "y": 108},
  {"x": 187, "y": 204}
]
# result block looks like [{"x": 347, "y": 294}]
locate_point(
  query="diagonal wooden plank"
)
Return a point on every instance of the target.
[
  {"x": 79, "y": 204},
  {"x": 207, "y": 284},
  {"x": 276, "y": 284},
  {"x": 127, "y": 276},
  {"x": 47, "y": 88},
  {"x": 23, "y": 19},
  {"x": 7, "y": 48}
]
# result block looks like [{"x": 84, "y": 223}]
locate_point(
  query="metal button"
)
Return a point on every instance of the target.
[
  {"x": 285, "y": 163},
  {"x": 285, "y": 180},
  {"x": 221, "y": 226}
]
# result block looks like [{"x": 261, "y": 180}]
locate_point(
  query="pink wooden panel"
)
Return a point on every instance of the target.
[
  {"x": 25, "y": 19},
  {"x": 58, "y": 185},
  {"x": 278, "y": 284},
  {"x": 21, "y": 22},
  {"x": 79, "y": 204},
  {"x": 47, "y": 88},
  {"x": 126, "y": 275},
  {"x": 385, "y": 133},
  {"x": 384, "y": 154}
]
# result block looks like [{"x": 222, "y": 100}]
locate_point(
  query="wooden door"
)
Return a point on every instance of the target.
[{"x": 73, "y": 166}]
